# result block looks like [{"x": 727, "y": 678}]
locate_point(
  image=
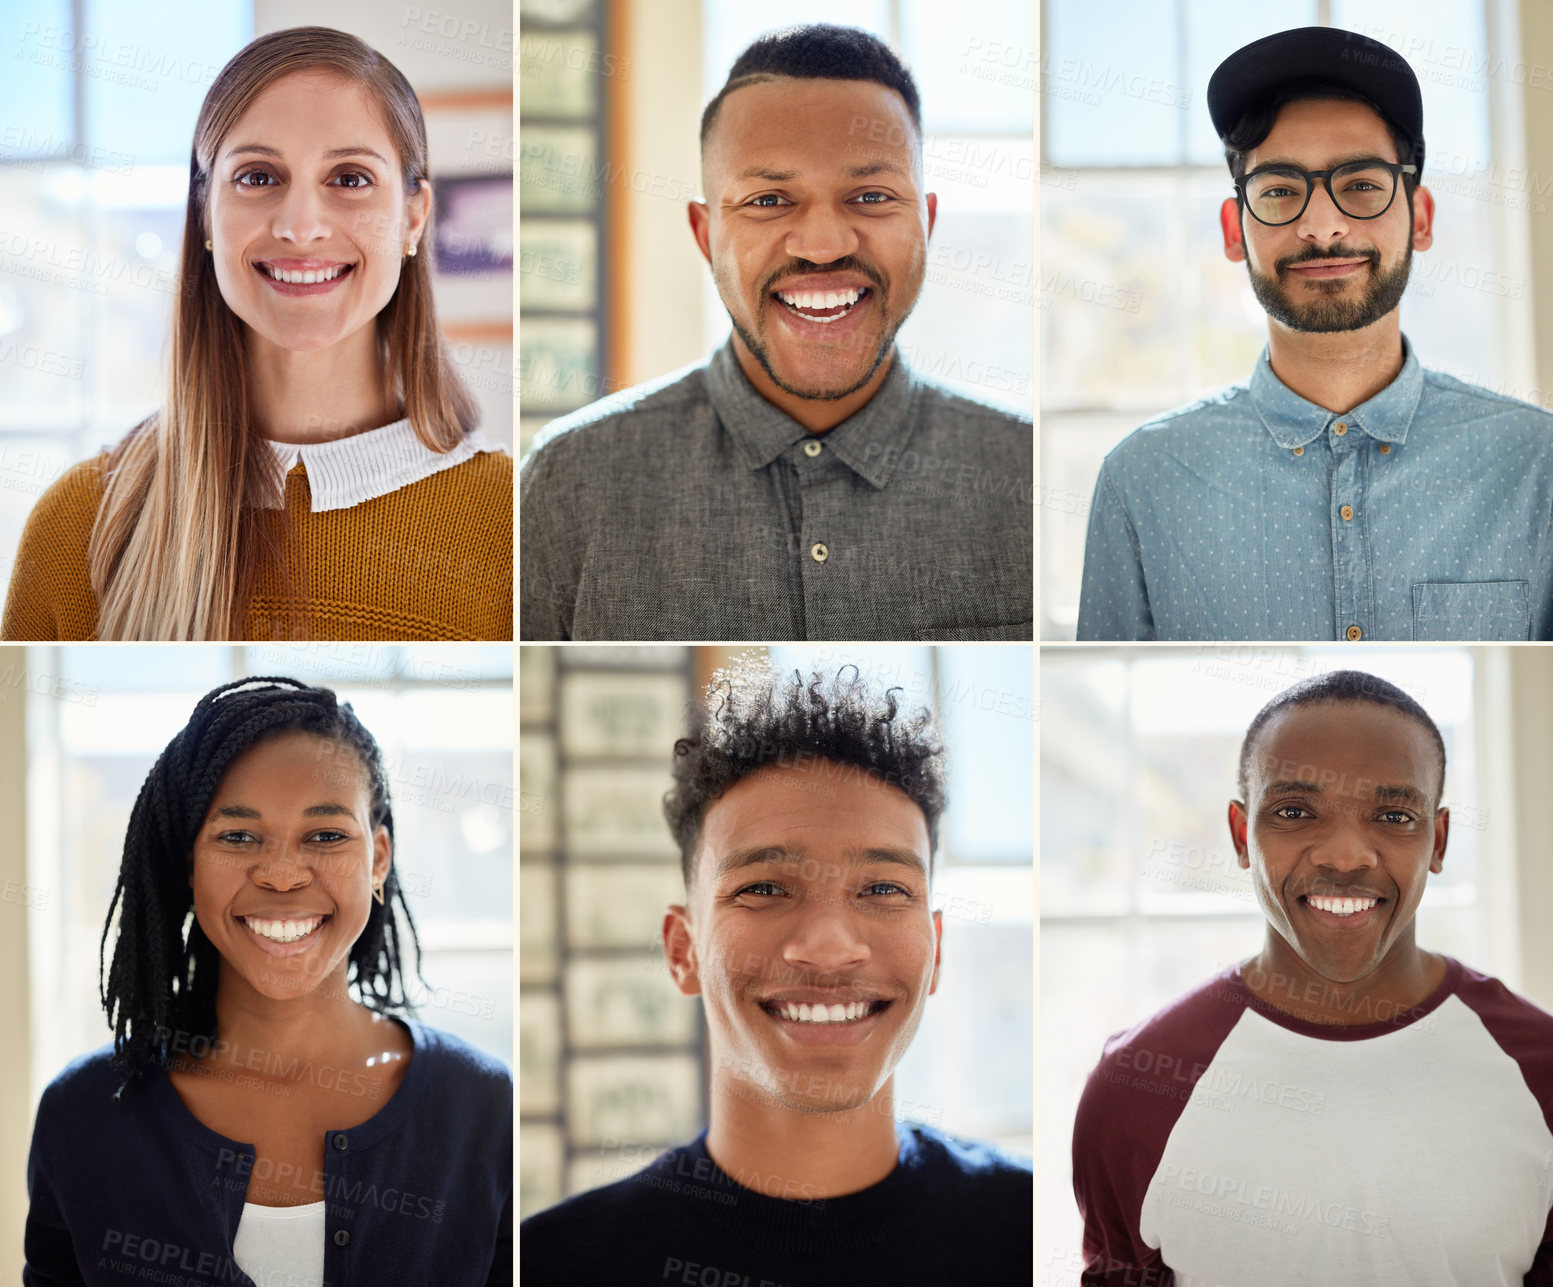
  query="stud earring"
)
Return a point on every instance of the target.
[
  {"x": 410, "y": 250},
  {"x": 377, "y": 893},
  {"x": 208, "y": 246}
]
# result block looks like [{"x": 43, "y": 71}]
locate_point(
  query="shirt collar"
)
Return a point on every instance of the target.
[
  {"x": 868, "y": 442},
  {"x": 1293, "y": 422},
  {"x": 359, "y": 468}
]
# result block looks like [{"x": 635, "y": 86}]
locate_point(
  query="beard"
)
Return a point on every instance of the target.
[
  {"x": 812, "y": 392},
  {"x": 1333, "y": 313},
  {"x": 761, "y": 351}
]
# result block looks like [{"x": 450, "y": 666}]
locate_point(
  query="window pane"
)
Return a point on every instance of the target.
[
  {"x": 974, "y": 71},
  {"x": 967, "y": 1071},
  {"x": 45, "y": 299},
  {"x": 986, "y": 705},
  {"x": 145, "y": 78},
  {"x": 973, "y": 327},
  {"x": 455, "y": 666},
  {"x": 138, "y": 220},
  {"x": 37, "y": 89},
  {"x": 470, "y": 995},
  {"x": 1111, "y": 83},
  {"x": 1446, "y": 44},
  {"x": 1214, "y": 30},
  {"x": 149, "y": 668},
  {"x": 1113, "y": 331}
]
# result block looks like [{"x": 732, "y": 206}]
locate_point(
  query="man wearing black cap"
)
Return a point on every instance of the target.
[{"x": 1343, "y": 492}]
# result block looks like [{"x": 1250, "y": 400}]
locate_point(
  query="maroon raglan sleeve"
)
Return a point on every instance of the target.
[
  {"x": 1525, "y": 1033},
  {"x": 1130, "y": 1105}
]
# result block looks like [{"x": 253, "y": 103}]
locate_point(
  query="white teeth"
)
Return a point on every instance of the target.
[
  {"x": 283, "y": 931},
  {"x": 819, "y": 299},
  {"x": 304, "y": 277},
  {"x": 802, "y": 1012},
  {"x": 1341, "y": 906}
]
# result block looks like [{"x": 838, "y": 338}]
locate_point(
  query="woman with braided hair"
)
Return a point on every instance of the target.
[{"x": 262, "y": 1116}]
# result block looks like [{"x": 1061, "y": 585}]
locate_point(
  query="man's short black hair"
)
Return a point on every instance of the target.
[
  {"x": 1255, "y": 125},
  {"x": 819, "y": 51},
  {"x": 754, "y": 717},
  {"x": 1339, "y": 686}
]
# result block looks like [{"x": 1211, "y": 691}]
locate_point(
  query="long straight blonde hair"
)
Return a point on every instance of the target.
[{"x": 188, "y": 518}]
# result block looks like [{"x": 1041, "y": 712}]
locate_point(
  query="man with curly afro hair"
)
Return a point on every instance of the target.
[{"x": 806, "y": 808}]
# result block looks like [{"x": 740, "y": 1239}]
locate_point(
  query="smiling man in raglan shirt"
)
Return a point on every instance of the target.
[
  {"x": 1345, "y": 491},
  {"x": 1345, "y": 1107},
  {"x": 803, "y": 483},
  {"x": 807, "y": 813}
]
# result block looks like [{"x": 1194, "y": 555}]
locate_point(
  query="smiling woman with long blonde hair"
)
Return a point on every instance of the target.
[{"x": 314, "y": 471}]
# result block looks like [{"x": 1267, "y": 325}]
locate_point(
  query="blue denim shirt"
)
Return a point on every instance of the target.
[{"x": 1423, "y": 513}]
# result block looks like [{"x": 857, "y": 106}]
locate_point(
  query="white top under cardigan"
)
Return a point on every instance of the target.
[{"x": 281, "y": 1246}]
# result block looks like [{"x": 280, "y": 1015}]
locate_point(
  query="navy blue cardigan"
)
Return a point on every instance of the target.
[{"x": 141, "y": 1191}]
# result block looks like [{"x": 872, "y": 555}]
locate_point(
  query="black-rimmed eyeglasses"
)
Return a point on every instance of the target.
[{"x": 1278, "y": 194}]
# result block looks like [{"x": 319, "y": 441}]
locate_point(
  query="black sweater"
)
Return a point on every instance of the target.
[{"x": 950, "y": 1212}]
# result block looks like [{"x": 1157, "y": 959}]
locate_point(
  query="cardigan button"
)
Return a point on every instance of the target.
[
  {"x": 341, "y": 1237},
  {"x": 341, "y": 1143}
]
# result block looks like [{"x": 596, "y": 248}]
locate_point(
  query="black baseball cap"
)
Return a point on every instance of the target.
[{"x": 1249, "y": 76}]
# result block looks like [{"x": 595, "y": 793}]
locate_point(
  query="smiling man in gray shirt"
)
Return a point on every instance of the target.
[{"x": 803, "y": 483}]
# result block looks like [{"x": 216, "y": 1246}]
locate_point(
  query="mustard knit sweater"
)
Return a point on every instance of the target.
[{"x": 432, "y": 560}]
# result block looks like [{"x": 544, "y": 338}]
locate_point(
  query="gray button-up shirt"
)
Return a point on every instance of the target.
[
  {"x": 1424, "y": 513},
  {"x": 691, "y": 508}
]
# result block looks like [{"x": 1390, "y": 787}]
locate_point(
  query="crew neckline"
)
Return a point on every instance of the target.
[
  {"x": 1344, "y": 1032},
  {"x": 817, "y": 1226},
  {"x": 387, "y": 1119},
  {"x": 296, "y": 1212}
]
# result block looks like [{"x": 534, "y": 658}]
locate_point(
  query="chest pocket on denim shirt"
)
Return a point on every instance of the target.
[{"x": 1465, "y": 610}]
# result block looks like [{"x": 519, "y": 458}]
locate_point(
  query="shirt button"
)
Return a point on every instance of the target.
[
  {"x": 1385, "y": 449},
  {"x": 813, "y": 447},
  {"x": 341, "y": 1143},
  {"x": 1347, "y": 513},
  {"x": 818, "y": 552},
  {"x": 1355, "y": 634},
  {"x": 1299, "y": 451},
  {"x": 341, "y": 1237},
  {"x": 1340, "y": 428}
]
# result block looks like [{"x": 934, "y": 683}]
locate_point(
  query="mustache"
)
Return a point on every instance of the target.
[
  {"x": 1313, "y": 255},
  {"x": 802, "y": 267}
]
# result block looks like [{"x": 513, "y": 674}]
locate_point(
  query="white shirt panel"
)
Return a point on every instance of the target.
[{"x": 1406, "y": 1157}]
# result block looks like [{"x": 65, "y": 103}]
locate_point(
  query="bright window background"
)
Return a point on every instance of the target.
[
  {"x": 973, "y": 328},
  {"x": 98, "y": 102},
  {"x": 99, "y": 715},
  {"x": 968, "y": 1068},
  {"x": 1141, "y": 312},
  {"x": 93, "y": 176},
  {"x": 1142, "y": 897}
]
